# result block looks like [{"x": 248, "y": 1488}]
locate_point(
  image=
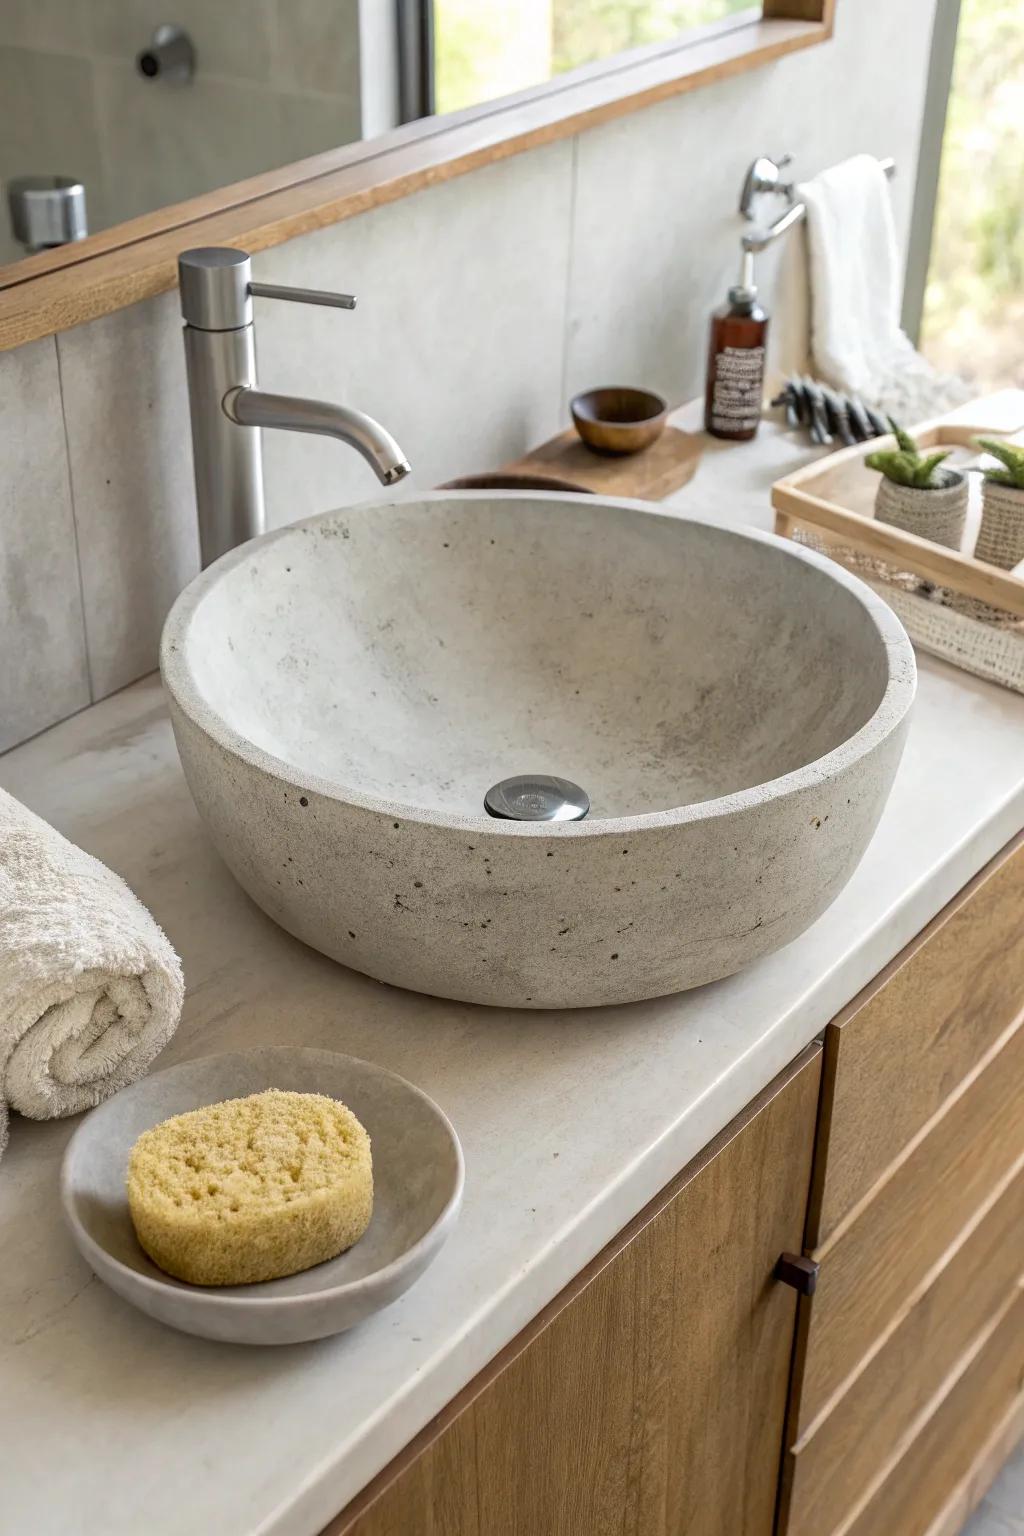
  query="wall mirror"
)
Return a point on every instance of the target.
[
  {"x": 132, "y": 128},
  {"x": 112, "y": 109}
]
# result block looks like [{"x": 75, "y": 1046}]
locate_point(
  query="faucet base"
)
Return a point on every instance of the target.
[{"x": 226, "y": 456}]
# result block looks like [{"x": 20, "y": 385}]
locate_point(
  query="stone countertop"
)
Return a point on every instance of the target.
[{"x": 571, "y": 1122}]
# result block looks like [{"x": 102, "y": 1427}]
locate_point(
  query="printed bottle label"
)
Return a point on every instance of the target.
[{"x": 736, "y": 397}]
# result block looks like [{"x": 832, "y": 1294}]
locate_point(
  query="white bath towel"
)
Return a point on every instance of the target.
[
  {"x": 90, "y": 988},
  {"x": 856, "y": 289}
]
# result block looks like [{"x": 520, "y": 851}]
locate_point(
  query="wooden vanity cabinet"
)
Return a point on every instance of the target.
[
  {"x": 649, "y": 1397},
  {"x": 908, "y": 1383},
  {"x": 676, "y": 1388}
]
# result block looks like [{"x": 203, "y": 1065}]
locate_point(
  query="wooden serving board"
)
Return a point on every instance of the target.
[{"x": 649, "y": 475}]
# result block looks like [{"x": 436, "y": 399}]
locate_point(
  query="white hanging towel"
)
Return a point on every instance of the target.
[
  {"x": 856, "y": 280},
  {"x": 90, "y": 988}
]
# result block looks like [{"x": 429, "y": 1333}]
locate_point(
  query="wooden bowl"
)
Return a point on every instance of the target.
[
  {"x": 509, "y": 480},
  {"x": 617, "y": 420}
]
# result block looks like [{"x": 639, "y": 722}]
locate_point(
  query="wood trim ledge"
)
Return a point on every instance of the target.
[{"x": 56, "y": 290}]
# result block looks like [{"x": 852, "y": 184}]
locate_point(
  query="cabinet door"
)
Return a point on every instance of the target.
[
  {"x": 917, "y": 1222},
  {"x": 936, "y": 1010},
  {"x": 649, "y": 1397}
]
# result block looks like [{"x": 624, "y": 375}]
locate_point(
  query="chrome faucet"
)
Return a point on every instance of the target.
[{"x": 228, "y": 410}]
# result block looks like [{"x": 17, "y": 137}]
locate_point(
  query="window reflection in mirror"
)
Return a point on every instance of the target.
[{"x": 488, "y": 48}]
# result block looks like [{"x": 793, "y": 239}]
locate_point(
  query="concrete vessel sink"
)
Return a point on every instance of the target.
[{"x": 346, "y": 690}]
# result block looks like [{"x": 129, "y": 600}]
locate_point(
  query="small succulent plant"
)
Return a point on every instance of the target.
[
  {"x": 1012, "y": 458},
  {"x": 905, "y": 464}
]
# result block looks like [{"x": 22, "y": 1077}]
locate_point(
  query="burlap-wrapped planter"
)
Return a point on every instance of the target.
[
  {"x": 1001, "y": 540},
  {"x": 937, "y": 512}
]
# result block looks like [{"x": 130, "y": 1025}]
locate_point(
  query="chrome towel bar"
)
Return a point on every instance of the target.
[{"x": 760, "y": 239}]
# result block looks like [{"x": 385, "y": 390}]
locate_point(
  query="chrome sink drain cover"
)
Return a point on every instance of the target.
[{"x": 536, "y": 797}]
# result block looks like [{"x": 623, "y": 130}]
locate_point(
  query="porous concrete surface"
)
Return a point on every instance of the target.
[{"x": 345, "y": 691}]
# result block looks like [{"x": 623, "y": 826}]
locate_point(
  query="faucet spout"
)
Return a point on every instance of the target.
[{"x": 249, "y": 407}]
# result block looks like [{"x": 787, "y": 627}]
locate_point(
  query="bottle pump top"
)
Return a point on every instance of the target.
[{"x": 743, "y": 293}]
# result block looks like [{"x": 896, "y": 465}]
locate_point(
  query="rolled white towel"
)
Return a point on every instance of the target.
[{"x": 90, "y": 988}]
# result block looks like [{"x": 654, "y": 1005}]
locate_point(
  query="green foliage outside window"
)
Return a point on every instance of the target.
[
  {"x": 488, "y": 48},
  {"x": 585, "y": 30},
  {"x": 974, "y": 305}
]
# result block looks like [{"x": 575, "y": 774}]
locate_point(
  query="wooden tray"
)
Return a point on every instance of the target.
[
  {"x": 957, "y": 607},
  {"x": 653, "y": 473}
]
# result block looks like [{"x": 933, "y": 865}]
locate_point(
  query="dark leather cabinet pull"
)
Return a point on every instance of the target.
[{"x": 802, "y": 1274}]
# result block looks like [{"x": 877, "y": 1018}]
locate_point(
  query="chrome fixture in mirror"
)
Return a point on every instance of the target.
[
  {"x": 170, "y": 57},
  {"x": 46, "y": 211}
]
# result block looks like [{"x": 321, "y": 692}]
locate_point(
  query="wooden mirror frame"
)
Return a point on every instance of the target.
[{"x": 57, "y": 289}]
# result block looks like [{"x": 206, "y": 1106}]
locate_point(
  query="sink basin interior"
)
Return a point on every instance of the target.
[{"x": 420, "y": 652}]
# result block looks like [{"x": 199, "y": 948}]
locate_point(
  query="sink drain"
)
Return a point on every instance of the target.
[{"x": 536, "y": 797}]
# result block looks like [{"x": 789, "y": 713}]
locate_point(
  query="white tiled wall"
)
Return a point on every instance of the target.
[
  {"x": 484, "y": 302},
  {"x": 126, "y": 419},
  {"x": 43, "y": 672}
]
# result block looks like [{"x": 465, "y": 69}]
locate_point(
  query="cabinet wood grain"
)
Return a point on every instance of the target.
[
  {"x": 901, "y": 1048},
  {"x": 975, "y": 1483},
  {"x": 649, "y": 1397},
  {"x": 872, "y": 1269},
  {"x": 920, "y": 1483},
  {"x": 831, "y": 1467}
]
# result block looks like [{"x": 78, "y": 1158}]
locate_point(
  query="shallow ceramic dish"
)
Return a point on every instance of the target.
[{"x": 417, "y": 1175}]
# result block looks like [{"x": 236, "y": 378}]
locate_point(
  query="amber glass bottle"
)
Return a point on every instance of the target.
[{"x": 736, "y": 354}]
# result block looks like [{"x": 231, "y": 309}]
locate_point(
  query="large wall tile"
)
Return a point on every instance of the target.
[
  {"x": 131, "y": 472},
  {"x": 456, "y": 345},
  {"x": 318, "y": 46},
  {"x": 55, "y": 26},
  {"x": 307, "y": 125},
  {"x": 162, "y": 144},
  {"x": 43, "y": 675}
]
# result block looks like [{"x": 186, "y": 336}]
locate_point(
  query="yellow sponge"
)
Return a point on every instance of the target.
[{"x": 251, "y": 1189}]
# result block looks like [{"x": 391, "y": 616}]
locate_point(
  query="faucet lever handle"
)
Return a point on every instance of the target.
[{"x": 303, "y": 295}]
